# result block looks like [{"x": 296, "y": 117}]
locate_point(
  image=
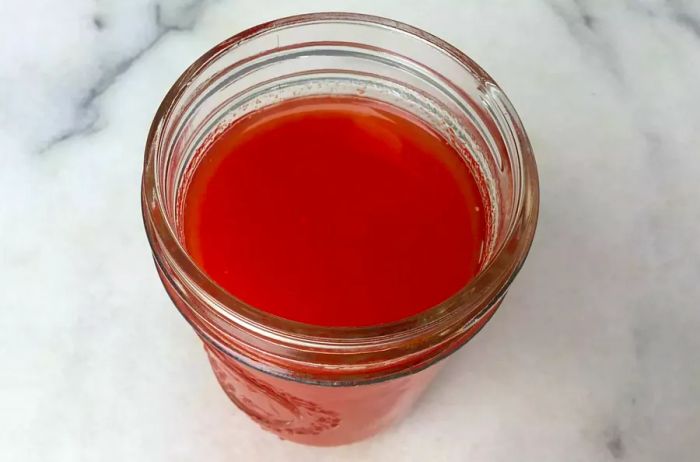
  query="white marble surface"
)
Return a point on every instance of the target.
[{"x": 595, "y": 355}]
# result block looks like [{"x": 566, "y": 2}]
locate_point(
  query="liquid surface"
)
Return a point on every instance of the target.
[{"x": 335, "y": 211}]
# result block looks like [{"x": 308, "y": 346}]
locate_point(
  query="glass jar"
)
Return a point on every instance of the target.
[{"x": 335, "y": 385}]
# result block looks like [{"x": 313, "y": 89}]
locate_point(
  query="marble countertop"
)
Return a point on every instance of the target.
[{"x": 595, "y": 356}]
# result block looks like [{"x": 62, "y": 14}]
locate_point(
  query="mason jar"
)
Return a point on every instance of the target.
[{"x": 335, "y": 385}]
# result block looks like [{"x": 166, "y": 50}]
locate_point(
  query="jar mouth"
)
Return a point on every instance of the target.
[{"x": 456, "y": 313}]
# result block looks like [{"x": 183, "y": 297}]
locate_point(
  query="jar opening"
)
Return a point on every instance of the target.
[{"x": 339, "y": 54}]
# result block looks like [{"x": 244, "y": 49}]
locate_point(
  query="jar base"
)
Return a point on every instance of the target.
[{"x": 318, "y": 415}]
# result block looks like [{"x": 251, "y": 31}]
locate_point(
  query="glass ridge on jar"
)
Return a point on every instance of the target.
[{"x": 335, "y": 385}]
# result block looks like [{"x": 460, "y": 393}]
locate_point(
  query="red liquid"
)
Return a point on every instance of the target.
[{"x": 335, "y": 211}]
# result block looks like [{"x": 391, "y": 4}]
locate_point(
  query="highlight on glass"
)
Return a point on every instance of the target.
[{"x": 335, "y": 203}]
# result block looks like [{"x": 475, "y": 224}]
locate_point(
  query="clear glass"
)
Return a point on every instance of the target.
[{"x": 332, "y": 385}]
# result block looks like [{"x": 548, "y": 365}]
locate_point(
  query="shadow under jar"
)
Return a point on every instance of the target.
[{"x": 326, "y": 385}]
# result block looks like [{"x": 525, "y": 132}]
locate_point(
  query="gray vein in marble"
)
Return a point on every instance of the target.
[
  {"x": 675, "y": 10},
  {"x": 586, "y": 17},
  {"x": 584, "y": 28},
  {"x": 688, "y": 22},
  {"x": 684, "y": 18},
  {"x": 615, "y": 444},
  {"x": 180, "y": 20},
  {"x": 98, "y": 22}
]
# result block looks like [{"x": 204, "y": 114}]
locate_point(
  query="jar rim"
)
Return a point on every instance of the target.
[{"x": 452, "y": 315}]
